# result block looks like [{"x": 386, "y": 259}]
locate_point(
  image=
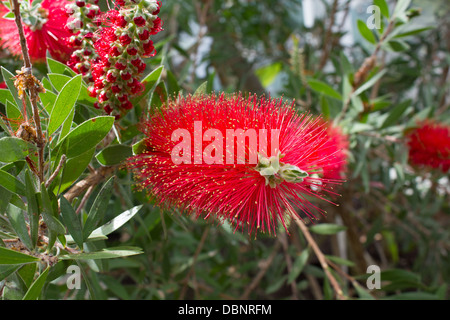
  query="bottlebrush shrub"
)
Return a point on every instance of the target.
[
  {"x": 43, "y": 21},
  {"x": 429, "y": 145},
  {"x": 252, "y": 196},
  {"x": 116, "y": 59}
]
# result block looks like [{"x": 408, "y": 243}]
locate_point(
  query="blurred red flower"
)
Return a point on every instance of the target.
[
  {"x": 429, "y": 145},
  {"x": 44, "y": 27}
]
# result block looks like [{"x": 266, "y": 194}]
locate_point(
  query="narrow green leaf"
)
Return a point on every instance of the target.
[
  {"x": 64, "y": 103},
  {"x": 86, "y": 136},
  {"x": 173, "y": 87},
  {"x": 32, "y": 207},
  {"x": 327, "y": 228},
  {"x": 114, "y": 154},
  {"x": 7, "y": 270},
  {"x": 11, "y": 183},
  {"x": 298, "y": 266},
  {"x": 72, "y": 222},
  {"x": 324, "y": 88},
  {"x": 108, "y": 253},
  {"x": 98, "y": 208},
  {"x": 48, "y": 213},
  {"x": 366, "y": 32},
  {"x": 13, "y": 149},
  {"x": 159, "y": 97},
  {"x": 27, "y": 273},
  {"x": 115, "y": 223},
  {"x": 8, "y": 77},
  {"x": 17, "y": 219},
  {"x": 8, "y": 256},
  {"x": 148, "y": 82},
  {"x": 401, "y": 7},
  {"x": 35, "y": 289},
  {"x": 395, "y": 114},
  {"x": 384, "y": 9},
  {"x": 58, "y": 67},
  {"x": 5, "y": 95},
  {"x": 369, "y": 83},
  {"x": 138, "y": 147},
  {"x": 267, "y": 74}
]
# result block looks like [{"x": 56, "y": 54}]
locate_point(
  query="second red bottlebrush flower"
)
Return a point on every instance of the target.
[
  {"x": 252, "y": 161},
  {"x": 44, "y": 30},
  {"x": 429, "y": 145}
]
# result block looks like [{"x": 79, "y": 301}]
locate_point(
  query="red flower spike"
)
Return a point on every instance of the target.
[{"x": 255, "y": 197}]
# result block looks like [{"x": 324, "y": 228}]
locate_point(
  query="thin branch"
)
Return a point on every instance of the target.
[
  {"x": 55, "y": 173},
  {"x": 192, "y": 269},
  {"x": 265, "y": 266},
  {"x": 40, "y": 141},
  {"x": 321, "y": 258}
]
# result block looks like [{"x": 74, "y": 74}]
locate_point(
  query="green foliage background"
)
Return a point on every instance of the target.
[{"x": 390, "y": 214}]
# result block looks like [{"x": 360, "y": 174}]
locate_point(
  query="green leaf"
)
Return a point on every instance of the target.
[
  {"x": 58, "y": 67},
  {"x": 173, "y": 87},
  {"x": 8, "y": 78},
  {"x": 114, "y": 154},
  {"x": 27, "y": 272},
  {"x": 7, "y": 270},
  {"x": 32, "y": 207},
  {"x": 366, "y": 32},
  {"x": 48, "y": 99},
  {"x": 148, "y": 82},
  {"x": 48, "y": 213},
  {"x": 64, "y": 103},
  {"x": 11, "y": 183},
  {"x": 384, "y": 9},
  {"x": 369, "y": 83},
  {"x": 115, "y": 223},
  {"x": 398, "y": 45},
  {"x": 159, "y": 97},
  {"x": 201, "y": 90},
  {"x": 87, "y": 135},
  {"x": 17, "y": 219},
  {"x": 72, "y": 222},
  {"x": 395, "y": 114},
  {"x": 268, "y": 74},
  {"x": 73, "y": 169},
  {"x": 98, "y": 208},
  {"x": 35, "y": 289},
  {"x": 101, "y": 232},
  {"x": 340, "y": 261},
  {"x": 13, "y": 149},
  {"x": 401, "y": 7},
  {"x": 108, "y": 253},
  {"x": 138, "y": 147},
  {"x": 327, "y": 228},
  {"x": 324, "y": 88},
  {"x": 5, "y": 95},
  {"x": 8, "y": 256},
  {"x": 298, "y": 266},
  {"x": 413, "y": 32}
]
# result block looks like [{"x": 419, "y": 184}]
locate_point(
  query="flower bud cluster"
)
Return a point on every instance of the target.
[
  {"x": 123, "y": 43},
  {"x": 85, "y": 18}
]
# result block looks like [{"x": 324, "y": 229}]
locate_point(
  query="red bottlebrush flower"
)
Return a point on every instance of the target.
[
  {"x": 44, "y": 30},
  {"x": 429, "y": 145},
  {"x": 253, "y": 184}
]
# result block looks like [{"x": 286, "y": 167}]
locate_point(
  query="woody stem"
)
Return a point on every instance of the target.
[{"x": 33, "y": 93}]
